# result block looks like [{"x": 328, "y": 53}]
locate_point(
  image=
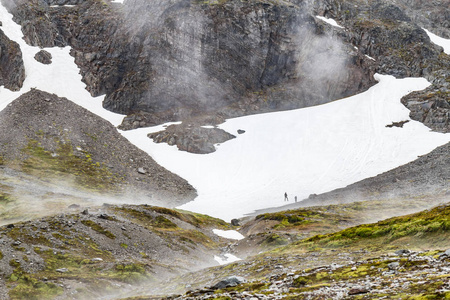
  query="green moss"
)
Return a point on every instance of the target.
[
  {"x": 162, "y": 222},
  {"x": 13, "y": 263},
  {"x": 32, "y": 289},
  {"x": 431, "y": 224},
  {"x": 274, "y": 240},
  {"x": 129, "y": 273},
  {"x": 5, "y": 198},
  {"x": 98, "y": 228},
  {"x": 87, "y": 173}
]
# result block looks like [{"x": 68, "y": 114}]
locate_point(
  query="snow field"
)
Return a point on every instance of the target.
[{"x": 301, "y": 152}]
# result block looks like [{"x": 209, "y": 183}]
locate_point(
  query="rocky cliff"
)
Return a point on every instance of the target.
[
  {"x": 12, "y": 70},
  {"x": 172, "y": 60}
]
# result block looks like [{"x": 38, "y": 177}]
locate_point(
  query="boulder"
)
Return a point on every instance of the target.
[
  {"x": 230, "y": 281},
  {"x": 43, "y": 57}
]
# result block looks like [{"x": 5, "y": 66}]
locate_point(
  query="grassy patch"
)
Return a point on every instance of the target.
[
  {"x": 63, "y": 162},
  {"x": 430, "y": 225},
  {"x": 31, "y": 288},
  {"x": 98, "y": 228}
]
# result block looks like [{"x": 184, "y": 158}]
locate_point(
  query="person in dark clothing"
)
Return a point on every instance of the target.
[{"x": 286, "y": 197}]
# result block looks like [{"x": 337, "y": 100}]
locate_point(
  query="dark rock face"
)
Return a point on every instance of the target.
[
  {"x": 192, "y": 138},
  {"x": 43, "y": 57},
  {"x": 431, "y": 107},
  {"x": 433, "y": 15},
  {"x": 12, "y": 70},
  {"x": 171, "y": 60},
  {"x": 178, "y": 59}
]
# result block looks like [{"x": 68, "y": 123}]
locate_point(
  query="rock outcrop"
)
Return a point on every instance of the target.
[
  {"x": 43, "y": 57},
  {"x": 192, "y": 138},
  {"x": 12, "y": 70},
  {"x": 174, "y": 60}
]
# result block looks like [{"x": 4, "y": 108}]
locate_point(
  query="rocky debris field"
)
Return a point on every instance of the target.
[
  {"x": 54, "y": 138},
  {"x": 89, "y": 253},
  {"x": 404, "y": 274}
]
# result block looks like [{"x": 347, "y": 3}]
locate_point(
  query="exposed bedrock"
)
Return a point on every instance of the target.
[
  {"x": 12, "y": 70},
  {"x": 173, "y": 60}
]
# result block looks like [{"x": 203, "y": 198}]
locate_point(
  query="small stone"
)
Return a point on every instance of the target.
[
  {"x": 358, "y": 290},
  {"x": 85, "y": 212},
  {"x": 402, "y": 252},
  {"x": 62, "y": 270},
  {"x": 74, "y": 206},
  {"x": 103, "y": 216},
  {"x": 141, "y": 171},
  {"x": 240, "y": 131},
  {"x": 235, "y": 222},
  {"x": 393, "y": 265},
  {"x": 230, "y": 281}
]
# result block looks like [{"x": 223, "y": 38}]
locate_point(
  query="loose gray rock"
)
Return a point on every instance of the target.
[
  {"x": 43, "y": 57},
  {"x": 230, "y": 281},
  {"x": 393, "y": 265},
  {"x": 402, "y": 252}
]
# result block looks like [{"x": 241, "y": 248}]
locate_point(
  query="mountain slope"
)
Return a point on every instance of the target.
[
  {"x": 63, "y": 147},
  {"x": 371, "y": 261},
  {"x": 104, "y": 251}
]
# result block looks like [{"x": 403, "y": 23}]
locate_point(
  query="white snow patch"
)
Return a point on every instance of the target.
[
  {"x": 301, "y": 152},
  {"x": 117, "y": 1},
  {"x": 369, "y": 57},
  {"x": 329, "y": 21},
  {"x": 230, "y": 258},
  {"x": 208, "y": 126},
  {"x": 444, "y": 43},
  {"x": 229, "y": 234}
]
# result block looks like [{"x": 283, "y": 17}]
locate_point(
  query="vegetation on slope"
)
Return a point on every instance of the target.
[{"x": 112, "y": 248}]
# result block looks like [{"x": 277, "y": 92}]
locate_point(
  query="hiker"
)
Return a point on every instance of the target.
[
  {"x": 295, "y": 198},
  {"x": 286, "y": 197}
]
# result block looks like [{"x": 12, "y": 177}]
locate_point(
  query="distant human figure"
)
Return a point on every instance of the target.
[
  {"x": 295, "y": 198},
  {"x": 286, "y": 197}
]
